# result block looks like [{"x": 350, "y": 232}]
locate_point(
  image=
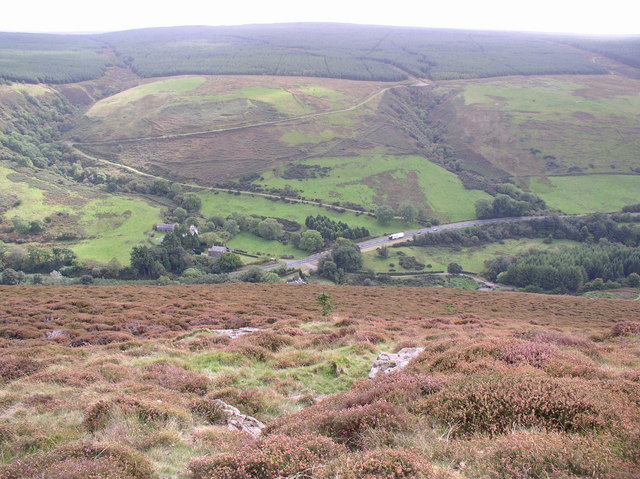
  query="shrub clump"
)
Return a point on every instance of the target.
[
  {"x": 527, "y": 352},
  {"x": 382, "y": 463},
  {"x": 269, "y": 457},
  {"x": 270, "y": 340},
  {"x": 14, "y": 367},
  {"x": 498, "y": 403},
  {"x": 75, "y": 377},
  {"x": 626, "y": 328},
  {"x": 100, "y": 414},
  {"x": 247, "y": 401},
  {"x": 345, "y": 425},
  {"x": 177, "y": 379},
  {"x": 81, "y": 460},
  {"x": 209, "y": 410},
  {"x": 526, "y": 454},
  {"x": 251, "y": 351}
]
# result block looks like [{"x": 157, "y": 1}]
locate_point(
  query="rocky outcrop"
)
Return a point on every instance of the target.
[
  {"x": 239, "y": 422},
  {"x": 234, "y": 333},
  {"x": 388, "y": 362}
]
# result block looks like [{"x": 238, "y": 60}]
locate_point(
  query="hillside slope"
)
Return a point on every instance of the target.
[{"x": 134, "y": 372}]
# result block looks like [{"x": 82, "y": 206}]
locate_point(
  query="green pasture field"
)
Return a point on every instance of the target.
[
  {"x": 116, "y": 225},
  {"x": 546, "y": 98},
  {"x": 382, "y": 179},
  {"x": 588, "y": 194},
  {"x": 297, "y": 137},
  {"x": 471, "y": 258},
  {"x": 559, "y": 124},
  {"x": 224, "y": 204},
  {"x": 113, "y": 224},
  {"x": 177, "y": 87},
  {"x": 283, "y": 100},
  {"x": 253, "y": 244}
]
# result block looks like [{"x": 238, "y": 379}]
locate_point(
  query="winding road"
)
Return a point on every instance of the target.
[{"x": 384, "y": 240}]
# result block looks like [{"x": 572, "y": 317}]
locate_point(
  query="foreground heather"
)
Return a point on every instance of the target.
[{"x": 508, "y": 386}]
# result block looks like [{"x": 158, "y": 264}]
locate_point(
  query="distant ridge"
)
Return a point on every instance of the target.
[{"x": 358, "y": 52}]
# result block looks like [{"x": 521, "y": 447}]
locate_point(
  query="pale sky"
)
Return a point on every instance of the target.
[{"x": 566, "y": 16}]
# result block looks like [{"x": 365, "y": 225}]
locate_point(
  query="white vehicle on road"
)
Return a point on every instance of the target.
[{"x": 396, "y": 236}]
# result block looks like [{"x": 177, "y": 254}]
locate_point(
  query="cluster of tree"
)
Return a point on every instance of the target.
[
  {"x": 36, "y": 259},
  {"x": 614, "y": 228},
  {"x": 24, "y": 227},
  {"x": 407, "y": 212},
  {"x": 635, "y": 208},
  {"x": 331, "y": 230},
  {"x": 175, "y": 254},
  {"x": 299, "y": 171},
  {"x": 310, "y": 241},
  {"x": 509, "y": 202},
  {"x": 345, "y": 257},
  {"x": 571, "y": 269}
]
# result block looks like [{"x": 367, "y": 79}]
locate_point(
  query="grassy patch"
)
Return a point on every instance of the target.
[
  {"x": 463, "y": 282},
  {"x": 281, "y": 99},
  {"x": 225, "y": 204},
  {"x": 588, "y": 194},
  {"x": 375, "y": 179},
  {"x": 168, "y": 87},
  {"x": 553, "y": 124},
  {"x": 116, "y": 225},
  {"x": 296, "y": 137},
  {"x": 472, "y": 259},
  {"x": 113, "y": 224},
  {"x": 33, "y": 90},
  {"x": 255, "y": 245}
]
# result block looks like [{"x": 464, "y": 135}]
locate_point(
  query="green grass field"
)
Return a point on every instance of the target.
[
  {"x": 253, "y": 244},
  {"x": 376, "y": 179},
  {"x": 588, "y": 194},
  {"x": 112, "y": 224},
  {"x": 171, "y": 87},
  {"x": 471, "y": 259},
  {"x": 224, "y": 204},
  {"x": 553, "y": 124}
]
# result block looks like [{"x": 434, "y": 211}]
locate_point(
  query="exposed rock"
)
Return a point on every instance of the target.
[
  {"x": 239, "y": 422},
  {"x": 234, "y": 333},
  {"x": 388, "y": 362},
  {"x": 56, "y": 333}
]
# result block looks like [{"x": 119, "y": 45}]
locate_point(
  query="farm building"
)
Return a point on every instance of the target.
[
  {"x": 166, "y": 228},
  {"x": 216, "y": 251}
]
